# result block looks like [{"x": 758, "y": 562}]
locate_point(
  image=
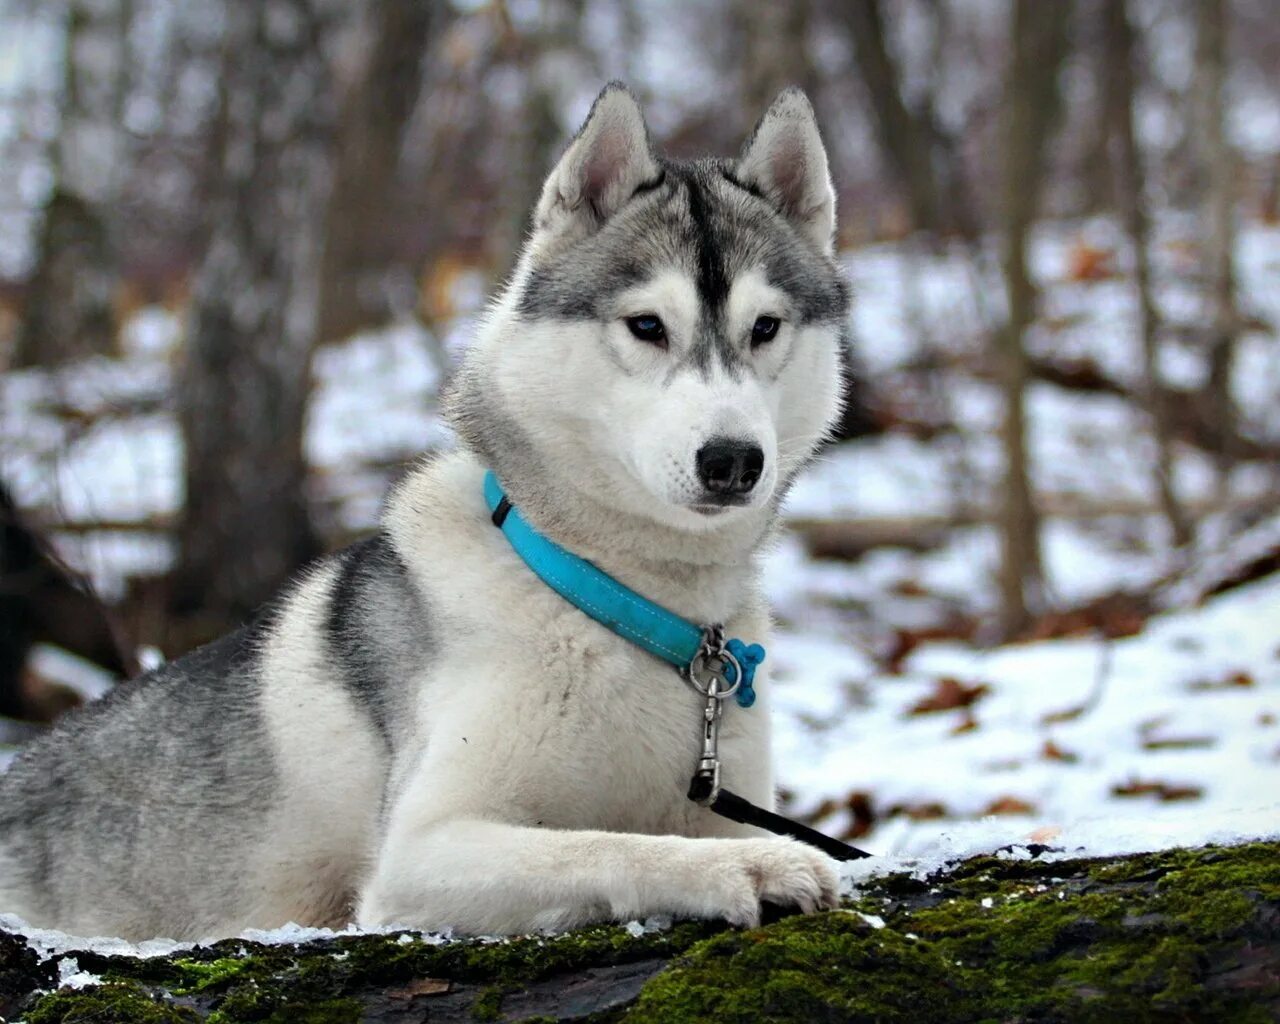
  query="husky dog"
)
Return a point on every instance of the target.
[{"x": 419, "y": 731}]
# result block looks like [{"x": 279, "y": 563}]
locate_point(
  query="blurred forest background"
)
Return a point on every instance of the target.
[{"x": 242, "y": 244}]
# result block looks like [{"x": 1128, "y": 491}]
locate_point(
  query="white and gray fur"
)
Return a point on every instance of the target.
[{"x": 418, "y": 731}]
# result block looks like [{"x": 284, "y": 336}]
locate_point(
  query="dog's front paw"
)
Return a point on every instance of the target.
[{"x": 781, "y": 871}]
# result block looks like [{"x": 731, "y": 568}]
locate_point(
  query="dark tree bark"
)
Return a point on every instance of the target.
[
  {"x": 1094, "y": 167},
  {"x": 68, "y": 310},
  {"x": 1122, "y": 62},
  {"x": 1038, "y": 42},
  {"x": 772, "y": 51},
  {"x": 903, "y": 134},
  {"x": 919, "y": 154},
  {"x": 244, "y": 384},
  {"x": 1219, "y": 164},
  {"x": 540, "y": 57},
  {"x": 1187, "y": 935},
  {"x": 363, "y": 278},
  {"x": 43, "y": 601}
]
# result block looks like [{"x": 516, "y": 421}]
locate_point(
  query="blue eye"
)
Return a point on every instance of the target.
[
  {"x": 765, "y": 329},
  {"x": 648, "y": 327}
]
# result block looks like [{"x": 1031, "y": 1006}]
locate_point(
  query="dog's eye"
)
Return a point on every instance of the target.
[
  {"x": 648, "y": 327},
  {"x": 765, "y": 329}
]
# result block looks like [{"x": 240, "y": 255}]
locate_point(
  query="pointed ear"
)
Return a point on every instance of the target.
[
  {"x": 604, "y": 165},
  {"x": 786, "y": 160}
]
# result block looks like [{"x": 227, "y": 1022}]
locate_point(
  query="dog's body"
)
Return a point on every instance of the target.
[{"x": 420, "y": 731}]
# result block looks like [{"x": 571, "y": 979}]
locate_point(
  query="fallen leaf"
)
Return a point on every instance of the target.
[
  {"x": 1150, "y": 741},
  {"x": 909, "y": 588},
  {"x": 949, "y": 693},
  {"x": 900, "y": 648},
  {"x": 1162, "y": 791},
  {"x": 1178, "y": 742},
  {"x": 1052, "y": 752},
  {"x": 862, "y": 816},
  {"x": 1150, "y": 725},
  {"x": 1046, "y": 834},
  {"x": 861, "y": 811},
  {"x": 1065, "y": 715},
  {"x": 1135, "y": 788},
  {"x": 905, "y": 641},
  {"x": 1170, "y": 793},
  {"x": 918, "y": 812},
  {"x": 1009, "y": 805},
  {"x": 1090, "y": 263},
  {"x": 1233, "y": 681}
]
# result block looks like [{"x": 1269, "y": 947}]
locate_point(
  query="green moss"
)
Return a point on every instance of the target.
[
  {"x": 110, "y": 1003},
  {"x": 1217, "y": 893},
  {"x": 197, "y": 975},
  {"x": 831, "y": 968},
  {"x": 237, "y": 981},
  {"x": 1134, "y": 944},
  {"x": 488, "y": 1005},
  {"x": 1131, "y": 940}
]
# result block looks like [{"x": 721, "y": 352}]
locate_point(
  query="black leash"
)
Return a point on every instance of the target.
[
  {"x": 705, "y": 789},
  {"x": 733, "y": 807}
]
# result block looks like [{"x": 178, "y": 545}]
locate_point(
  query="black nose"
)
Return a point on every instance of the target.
[{"x": 729, "y": 467}]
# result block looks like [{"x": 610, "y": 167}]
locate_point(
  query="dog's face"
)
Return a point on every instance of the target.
[{"x": 670, "y": 341}]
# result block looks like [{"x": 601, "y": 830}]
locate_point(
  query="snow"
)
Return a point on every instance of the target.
[
  {"x": 48, "y": 942},
  {"x": 1191, "y": 702},
  {"x": 70, "y": 976}
]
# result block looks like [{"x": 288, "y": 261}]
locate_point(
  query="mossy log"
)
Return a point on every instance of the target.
[{"x": 1185, "y": 935}]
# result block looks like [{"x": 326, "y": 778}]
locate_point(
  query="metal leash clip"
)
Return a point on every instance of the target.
[
  {"x": 712, "y": 663},
  {"x": 704, "y": 787}
]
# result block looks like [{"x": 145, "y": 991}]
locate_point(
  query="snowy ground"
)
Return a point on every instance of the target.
[{"x": 1181, "y": 743}]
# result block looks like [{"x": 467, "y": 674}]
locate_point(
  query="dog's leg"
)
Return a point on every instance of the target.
[{"x": 482, "y": 877}]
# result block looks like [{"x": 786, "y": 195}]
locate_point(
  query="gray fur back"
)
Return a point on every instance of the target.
[{"x": 179, "y": 757}]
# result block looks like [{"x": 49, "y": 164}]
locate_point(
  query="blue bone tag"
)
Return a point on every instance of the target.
[{"x": 749, "y": 658}]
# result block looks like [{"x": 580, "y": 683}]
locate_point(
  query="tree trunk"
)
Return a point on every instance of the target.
[
  {"x": 1119, "y": 47},
  {"x": 68, "y": 310},
  {"x": 1186, "y": 935},
  {"x": 906, "y": 137},
  {"x": 43, "y": 601},
  {"x": 1219, "y": 223},
  {"x": 772, "y": 52},
  {"x": 1038, "y": 40},
  {"x": 363, "y": 278},
  {"x": 243, "y": 386},
  {"x": 542, "y": 57}
]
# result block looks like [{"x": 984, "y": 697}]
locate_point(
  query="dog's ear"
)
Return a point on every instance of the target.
[
  {"x": 607, "y": 161},
  {"x": 786, "y": 160}
]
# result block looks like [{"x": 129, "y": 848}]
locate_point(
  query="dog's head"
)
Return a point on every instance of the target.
[{"x": 669, "y": 342}]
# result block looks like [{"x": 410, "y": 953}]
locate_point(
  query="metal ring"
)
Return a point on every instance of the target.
[{"x": 702, "y": 659}]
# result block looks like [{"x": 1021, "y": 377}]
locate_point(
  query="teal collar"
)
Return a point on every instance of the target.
[{"x": 700, "y": 653}]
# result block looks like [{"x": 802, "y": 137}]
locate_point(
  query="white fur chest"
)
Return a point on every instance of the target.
[{"x": 535, "y": 714}]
